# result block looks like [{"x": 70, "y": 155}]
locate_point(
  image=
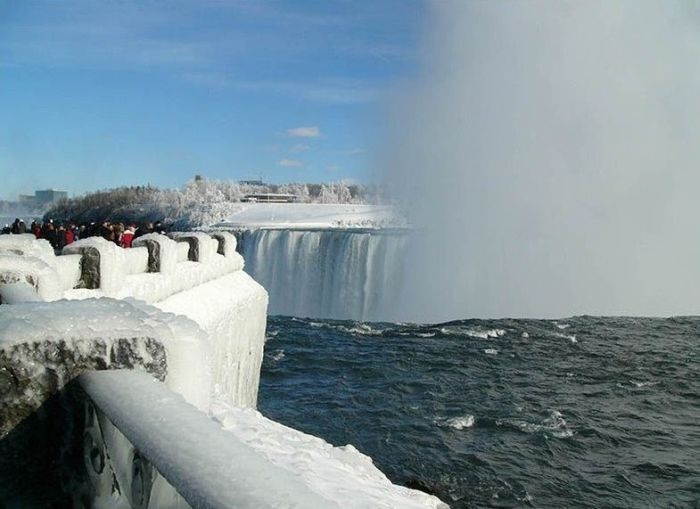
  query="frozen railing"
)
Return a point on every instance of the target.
[
  {"x": 154, "y": 449},
  {"x": 191, "y": 274},
  {"x": 75, "y": 435},
  {"x": 145, "y": 271}
]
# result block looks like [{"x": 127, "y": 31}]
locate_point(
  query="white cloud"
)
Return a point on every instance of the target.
[
  {"x": 300, "y": 147},
  {"x": 304, "y": 132},
  {"x": 291, "y": 163}
]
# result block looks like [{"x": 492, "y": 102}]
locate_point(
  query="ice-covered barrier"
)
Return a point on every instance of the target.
[
  {"x": 45, "y": 346},
  {"x": 237, "y": 459},
  {"x": 207, "y": 284},
  {"x": 83, "y": 421}
]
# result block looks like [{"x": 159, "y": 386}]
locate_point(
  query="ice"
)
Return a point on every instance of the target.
[
  {"x": 68, "y": 269},
  {"x": 183, "y": 250},
  {"x": 554, "y": 424},
  {"x": 162, "y": 251},
  {"x": 202, "y": 247},
  {"x": 102, "y": 265},
  {"x": 33, "y": 271},
  {"x": 232, "y": 309},
  {"x": 14, "y": 293},
  {"x": 342, "y": 475},
  {"x": 135, "y": 260},
  {"x": 27, "y": 245},
  {"x": 203, "y": 334},
  {"x": 44, "y": 345},
  {"x": 207, "y": 466},
  {"x": 227, "y": 242},
  {"x": 154, "y": 287}
]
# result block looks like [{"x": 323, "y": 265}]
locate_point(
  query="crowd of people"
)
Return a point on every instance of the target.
[{"x": 60, "y": 234}]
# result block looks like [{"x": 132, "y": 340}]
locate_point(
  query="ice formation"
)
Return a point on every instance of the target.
[
  {"x": 231, "y": 309},
  {"x": 198, "y": 325},
  {"x": 252, "y": 462},
  {"x": 45, "y": 345}
]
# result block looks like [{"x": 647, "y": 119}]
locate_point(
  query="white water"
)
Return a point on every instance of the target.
[{"x": 343, "y": 274}]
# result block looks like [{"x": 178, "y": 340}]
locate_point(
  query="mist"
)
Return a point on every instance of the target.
[{"x": 547, "y": 157}]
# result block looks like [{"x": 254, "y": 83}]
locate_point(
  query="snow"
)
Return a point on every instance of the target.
[
  {"x": 162, "y": 252},
  {"x": 27, "y": 244},
  {"x": 310, "y": 215},
  {"x": 15, "y": 293},
  {"x": 135, "y": 260},
  {"x": 34, "y": 271},
  {"x": 109, "y": 257},
  {"x": 68, "y": 269},
  {"x": 232, "y": 310},
  {"x": 94, "y": 327},
  {"x": 207, "y": 323},
  {"x": 204, "y": 464},
  {"x": 202, "y": 246},
  {"x": 155, "y": 286},
  {"x": 227, "y": 242},
  {"x": 341, "y": 474},
  {"x": 252, "y": 463},
  {"x": 183, "y": 249}
]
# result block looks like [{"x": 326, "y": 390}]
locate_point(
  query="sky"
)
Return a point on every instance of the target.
[{"x": 97, "y": 94}]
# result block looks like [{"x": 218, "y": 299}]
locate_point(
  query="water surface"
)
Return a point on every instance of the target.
[{"x": 584, "y": 412}]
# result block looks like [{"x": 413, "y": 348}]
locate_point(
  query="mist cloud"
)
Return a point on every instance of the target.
[{"x": 549, "y": 160}]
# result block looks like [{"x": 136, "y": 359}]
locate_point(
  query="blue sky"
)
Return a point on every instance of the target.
[{"x": 95, "y": 94}]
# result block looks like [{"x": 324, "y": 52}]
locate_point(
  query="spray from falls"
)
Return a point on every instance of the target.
[{"x": 549, "y": 159}]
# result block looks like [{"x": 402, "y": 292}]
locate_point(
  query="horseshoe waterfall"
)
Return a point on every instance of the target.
[{"x": 329, "y": 273}]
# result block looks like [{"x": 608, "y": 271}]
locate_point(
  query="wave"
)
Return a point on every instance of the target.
[
  {"x": 554, "y": 425},
  {"x": 458, "y": 423}
]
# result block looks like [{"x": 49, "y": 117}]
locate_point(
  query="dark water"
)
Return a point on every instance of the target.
[{"x": 584, "y": 412}]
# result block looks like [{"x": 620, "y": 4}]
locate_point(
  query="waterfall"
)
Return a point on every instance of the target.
[{"x": 342, "y": 274}]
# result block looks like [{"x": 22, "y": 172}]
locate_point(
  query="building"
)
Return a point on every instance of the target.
[
  {"x": 270, "y": 198},
  {"x": 252, "y": 182},
  {"x": 42, "y": 198}
]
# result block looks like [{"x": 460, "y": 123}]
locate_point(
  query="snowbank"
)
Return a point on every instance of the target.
[
  {"x": 311, "y": 215},
  {"x": 340, "y": 474}
]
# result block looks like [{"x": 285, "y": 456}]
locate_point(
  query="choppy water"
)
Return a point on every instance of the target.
[{"x": 583, "y": 412}]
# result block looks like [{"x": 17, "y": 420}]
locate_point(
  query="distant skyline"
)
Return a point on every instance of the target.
[{"x": 102, "y": 94}]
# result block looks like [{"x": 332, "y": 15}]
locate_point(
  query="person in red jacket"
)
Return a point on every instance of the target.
[
  {"x": 70, "y": 237},
  {"x": 128, "y": 236}
]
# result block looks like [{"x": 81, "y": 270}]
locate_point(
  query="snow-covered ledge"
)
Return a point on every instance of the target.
[
  {"x": 208, "y": 286},
  {"x": 237, "y": 459},
  {"x": 194, "y": 439}
]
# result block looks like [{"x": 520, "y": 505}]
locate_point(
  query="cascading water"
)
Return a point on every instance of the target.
[{"x": 344, "y": 274}]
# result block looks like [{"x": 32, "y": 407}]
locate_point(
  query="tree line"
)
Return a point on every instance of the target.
[{"x": 199, "y": 202}]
